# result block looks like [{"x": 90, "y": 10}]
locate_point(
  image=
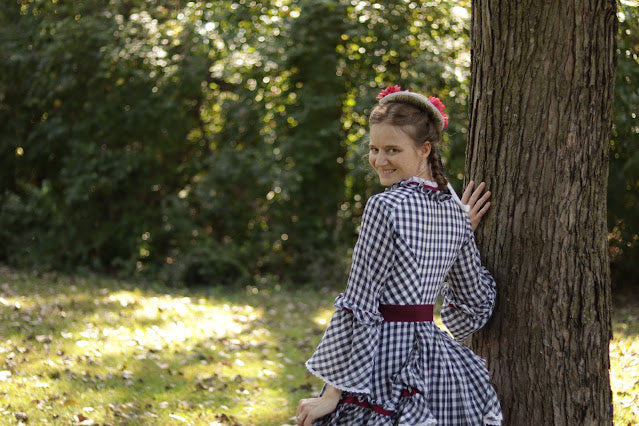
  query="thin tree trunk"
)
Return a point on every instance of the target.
[{"x": 542, "y": 80}]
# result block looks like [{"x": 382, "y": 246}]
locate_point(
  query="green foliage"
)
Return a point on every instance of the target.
[
  {"x": 95, "y": 125},
  {"x": 207, "y": 141},
  {"x": 223, "y": 141},
  {"x": 623, "y": 181}
]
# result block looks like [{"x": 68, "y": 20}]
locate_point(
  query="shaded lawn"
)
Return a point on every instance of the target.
[{"x": 99, "y": 351}]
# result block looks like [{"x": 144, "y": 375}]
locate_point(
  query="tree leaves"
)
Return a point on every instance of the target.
[{"x": 201, "y": 142}]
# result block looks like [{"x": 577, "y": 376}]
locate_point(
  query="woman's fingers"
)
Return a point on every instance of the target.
[
  {"x": 470, "y": 196},
  {"x": 467, "y": 192},
  {"x": 479, "y": 204},
  {"x": 300, "y": 416},
  {"x": 476, "y": 193},
  {"x": 304, "y": 412},
  {"x": 481, "y": 212},
  {"x": 311, "y": 409}
]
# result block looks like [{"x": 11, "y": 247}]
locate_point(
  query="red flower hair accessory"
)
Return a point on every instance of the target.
[
  {"x": 432, "y": 105},
  {"x": 389, "y": 90},
  {"x": 437, "y": 103}
]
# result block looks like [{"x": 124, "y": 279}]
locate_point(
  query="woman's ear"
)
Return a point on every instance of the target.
[{"x": 425, "y": 149}]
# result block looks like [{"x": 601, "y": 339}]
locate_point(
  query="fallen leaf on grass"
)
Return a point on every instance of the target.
[
  {"x": 82, "y": 420},
  {"x": 5, "y": 375},
  {"x": 44, "y": 338},
  {"x": 176, "y": 417},
  {"x": 223, "y": 419},
  {"x": 68, "y": 401},
  {"x": 211, "y": 383},
  {"x": 266, "y": 372},
  {"x": 21, "y": 417}
]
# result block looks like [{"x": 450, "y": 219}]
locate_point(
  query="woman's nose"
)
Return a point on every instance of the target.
[{"x": 380, "y": 159}]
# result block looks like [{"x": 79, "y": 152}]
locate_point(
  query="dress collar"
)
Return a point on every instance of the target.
[{"x": 416, "y": 181}]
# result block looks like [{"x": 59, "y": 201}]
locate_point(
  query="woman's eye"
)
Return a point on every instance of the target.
[{"x": 375, "y": 150}]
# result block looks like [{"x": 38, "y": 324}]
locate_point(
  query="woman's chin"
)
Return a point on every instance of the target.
[{"x": 387, "y": 180}]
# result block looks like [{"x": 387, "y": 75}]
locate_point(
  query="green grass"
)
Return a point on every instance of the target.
[
  {"x": 624, "y": 360},
  {"x": 103, "y": 351},
  {"x": 100, "y": 351}
]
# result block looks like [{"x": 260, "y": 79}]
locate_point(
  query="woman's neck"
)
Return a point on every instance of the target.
[{"x": 426, "y": 174}]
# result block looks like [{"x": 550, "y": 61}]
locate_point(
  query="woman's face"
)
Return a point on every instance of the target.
[{"x": 394, "y": 156}]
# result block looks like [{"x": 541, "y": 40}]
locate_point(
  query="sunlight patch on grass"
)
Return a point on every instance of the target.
[
  {"x": 110, "y": 352},
  {"x": 624, "y": 371},
  {"x": 323, "y": 317},
  {"x": 100, "y": 350}
]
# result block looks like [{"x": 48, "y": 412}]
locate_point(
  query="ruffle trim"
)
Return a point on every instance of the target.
[
  {"x": 451, "y": 303},
  {"x": 331, "y": 361},
  {"x": 461, "y": 319},
  {"x": 361, "y": 316},
  {"x": 427, "y": 187},
  {"x": 329, "y": 382},
  {"x": 492, "y": 419}
]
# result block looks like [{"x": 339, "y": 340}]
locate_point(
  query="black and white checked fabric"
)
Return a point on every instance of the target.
[{"x": 412, "y": 239}]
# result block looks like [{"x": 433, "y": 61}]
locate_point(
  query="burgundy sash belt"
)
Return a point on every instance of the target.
[
  {"x": 406, "y": 313},
  {"x": 376, "y": 408},
  {"x": 406, "y": 393}
]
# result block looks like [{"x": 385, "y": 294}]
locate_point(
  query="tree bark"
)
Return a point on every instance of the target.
[{"x": 541, "y": 98}]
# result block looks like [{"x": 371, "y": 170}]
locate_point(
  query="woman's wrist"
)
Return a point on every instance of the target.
[{"x": 332, "y": 393}]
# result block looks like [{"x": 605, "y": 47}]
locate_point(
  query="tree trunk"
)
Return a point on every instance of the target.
[{"x": 542, "y": 80}]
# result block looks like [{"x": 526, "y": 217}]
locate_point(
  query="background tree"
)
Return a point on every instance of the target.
[
  {"x": 623, "y": 181},
  {"x": 541, "y": 104},
  {"x": 207, "y": 141},
  {"x": 93, "y": 129}
]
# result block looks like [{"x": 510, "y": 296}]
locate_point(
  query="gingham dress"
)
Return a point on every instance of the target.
[{"x": 414, "y": 241}]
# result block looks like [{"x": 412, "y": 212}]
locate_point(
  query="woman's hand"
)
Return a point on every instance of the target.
[
  {"x": 478, "y": 205},
  {"x": 312, "y": 409}
]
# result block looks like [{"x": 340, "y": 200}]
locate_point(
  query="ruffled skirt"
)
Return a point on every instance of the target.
[{"x": 417, "y": 375}]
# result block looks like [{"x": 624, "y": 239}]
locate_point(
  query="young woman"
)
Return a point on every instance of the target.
[{"x": 383, "y": 360}]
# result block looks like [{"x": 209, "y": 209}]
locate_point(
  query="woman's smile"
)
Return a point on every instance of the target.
[{"x": 394, "y": 156}]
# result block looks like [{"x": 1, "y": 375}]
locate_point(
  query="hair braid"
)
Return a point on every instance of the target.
[{"x": 434, "y": 160}]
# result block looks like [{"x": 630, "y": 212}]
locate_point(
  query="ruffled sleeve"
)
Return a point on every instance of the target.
[
  {"x": 345, "y": 357},
  {"x": 469, "y": 293}
]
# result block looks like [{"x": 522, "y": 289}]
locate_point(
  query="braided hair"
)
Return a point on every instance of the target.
[{"x": 420, "y": 126}]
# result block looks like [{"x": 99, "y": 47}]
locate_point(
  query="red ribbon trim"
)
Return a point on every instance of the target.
[{"x": 376, "y": 408}]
